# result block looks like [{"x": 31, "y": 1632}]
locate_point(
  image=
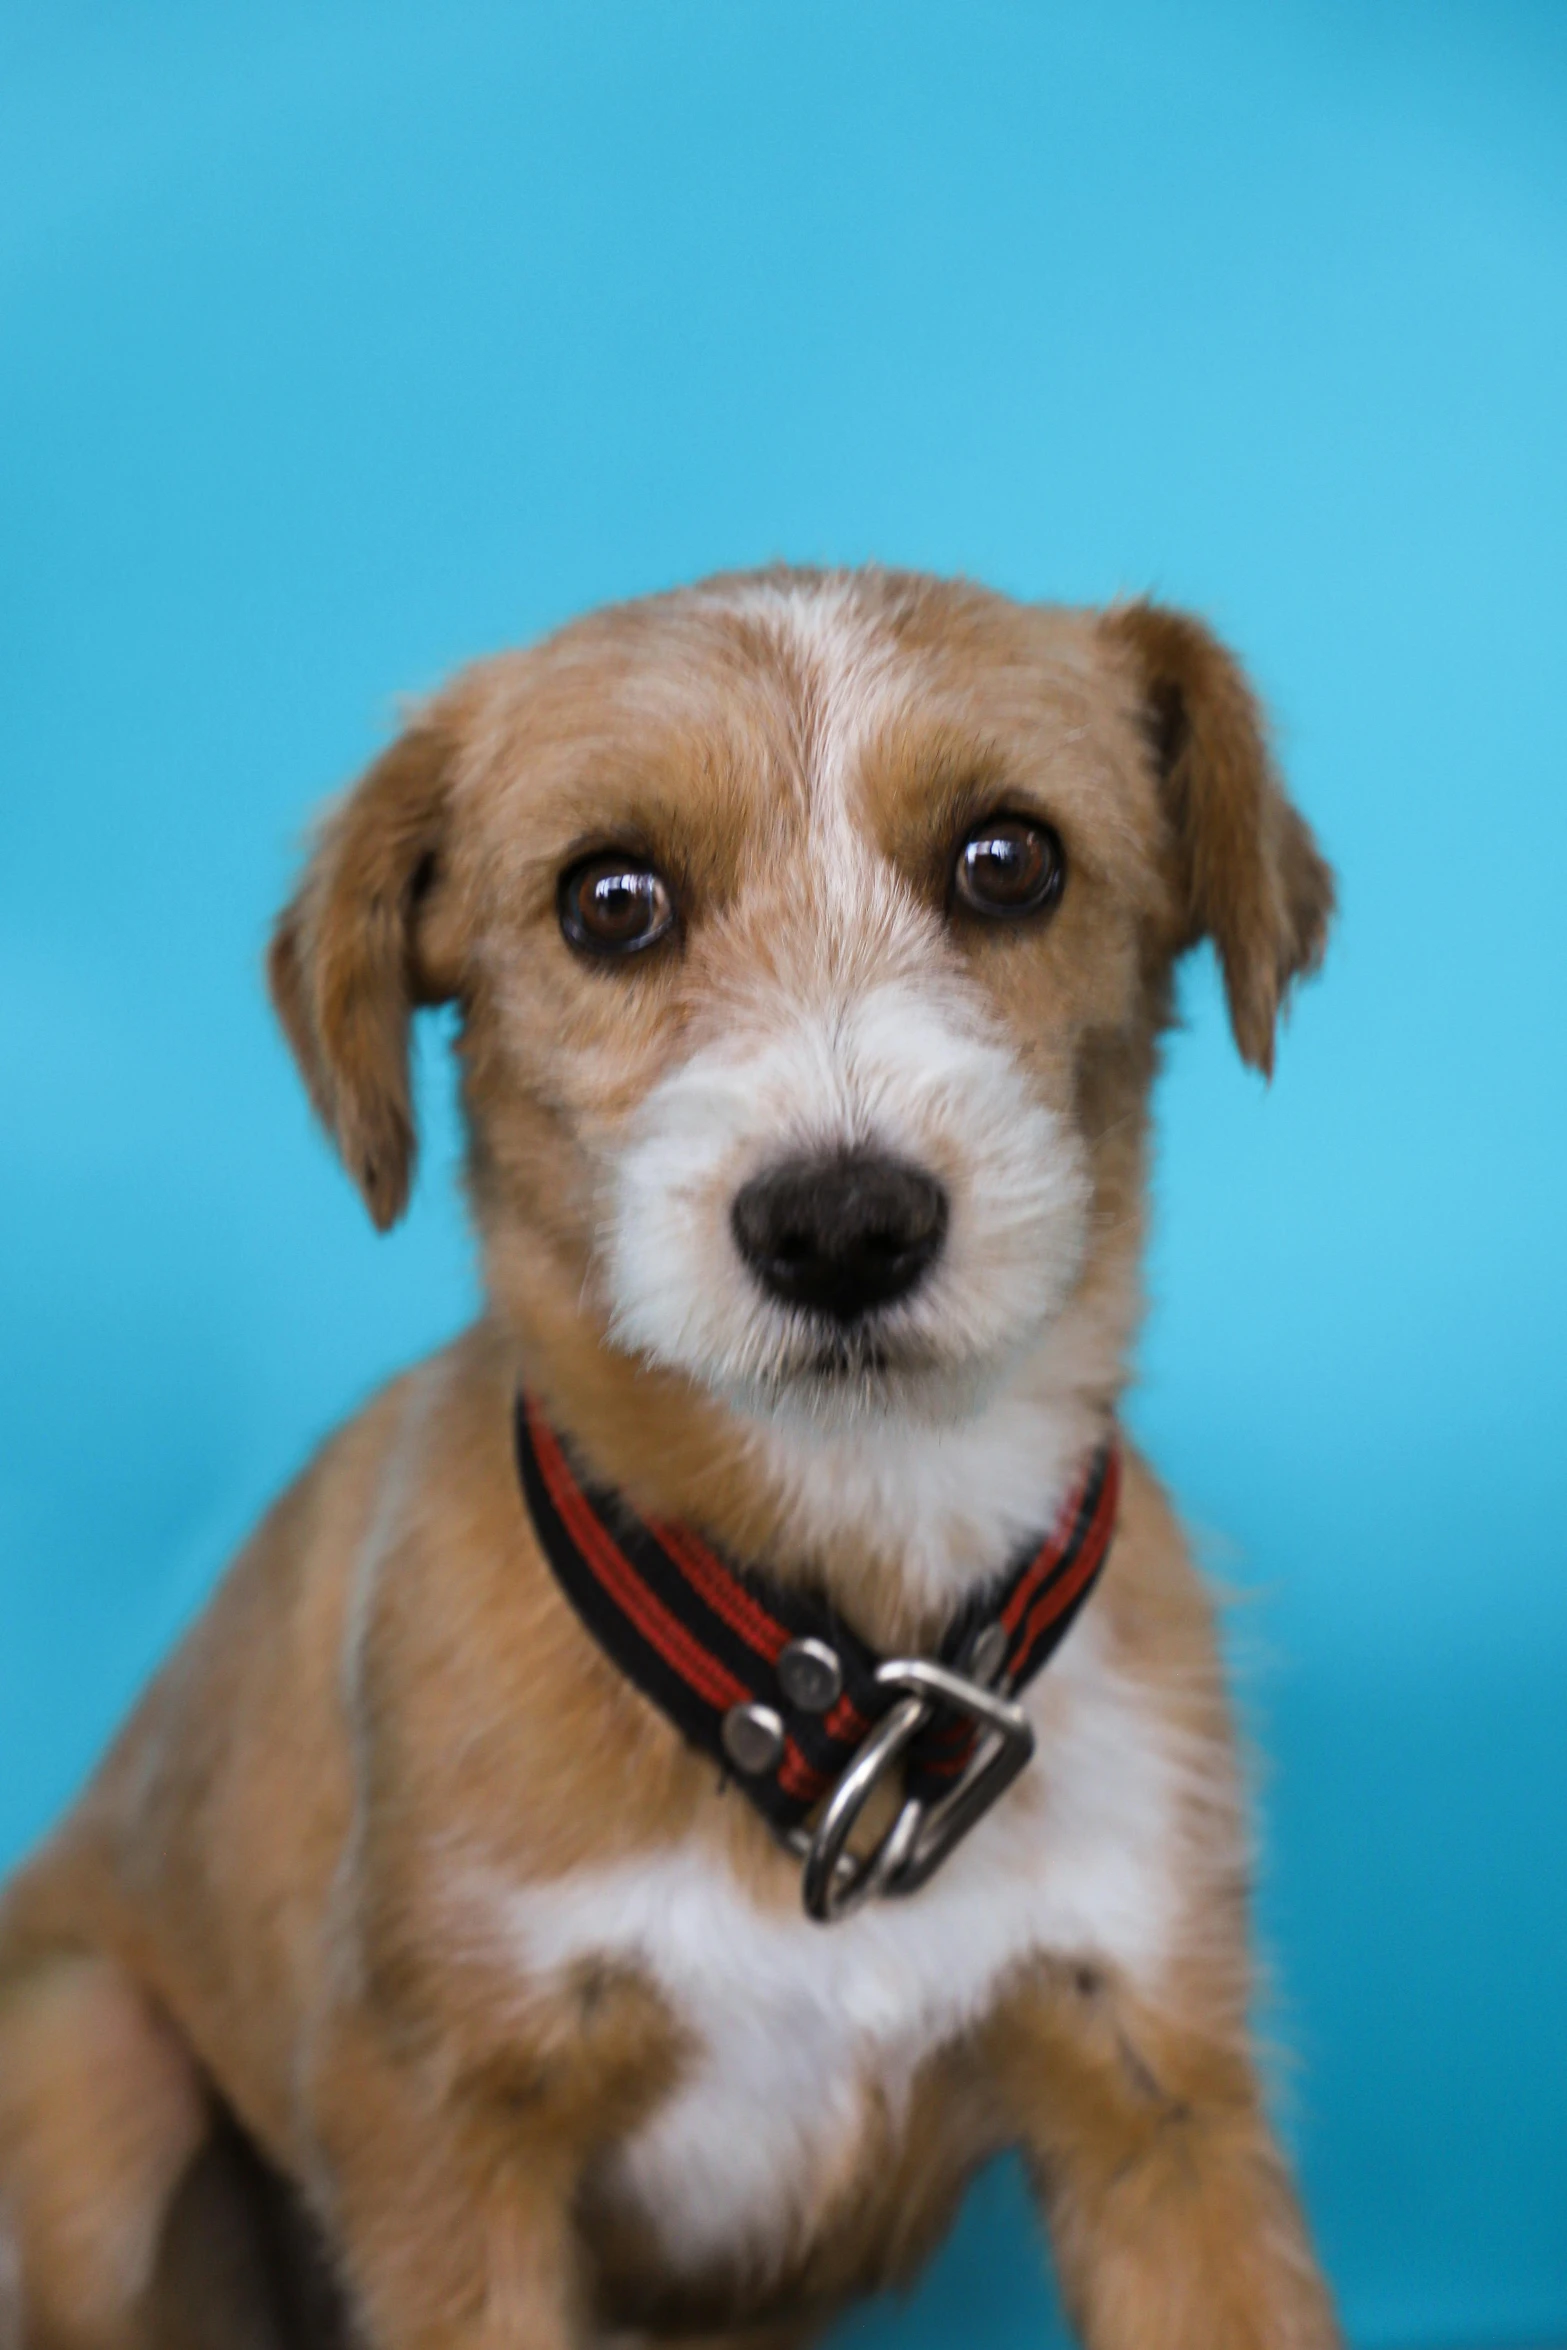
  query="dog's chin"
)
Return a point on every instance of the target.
[
  {"x": 833, "y": 1379},
  {"x": 808, "y": 1374}
]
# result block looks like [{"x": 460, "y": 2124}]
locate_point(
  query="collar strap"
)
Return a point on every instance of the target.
[{"x": 766, "y": 1679}]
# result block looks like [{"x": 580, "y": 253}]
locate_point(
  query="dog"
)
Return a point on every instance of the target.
[{"x": 574, "y": 1884}]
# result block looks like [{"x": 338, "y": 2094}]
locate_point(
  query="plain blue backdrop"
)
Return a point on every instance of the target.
[{"x": 342, "y": 342}]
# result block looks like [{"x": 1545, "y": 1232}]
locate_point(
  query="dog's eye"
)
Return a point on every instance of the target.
[
  {"x": 1009, "y": 866},
  {"x": 614, "y": 904}
]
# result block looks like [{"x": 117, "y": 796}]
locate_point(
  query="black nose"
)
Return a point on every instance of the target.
[{"x": 841, "y": 1235}]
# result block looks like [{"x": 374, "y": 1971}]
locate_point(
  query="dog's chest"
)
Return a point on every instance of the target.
[{"x": 802, "y": 2031}]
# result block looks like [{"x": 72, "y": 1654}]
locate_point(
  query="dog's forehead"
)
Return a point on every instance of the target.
[{"x": 815, "y": 710}]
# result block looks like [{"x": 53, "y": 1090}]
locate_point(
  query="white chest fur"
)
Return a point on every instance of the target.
[{"x": 798, "y": 2023}]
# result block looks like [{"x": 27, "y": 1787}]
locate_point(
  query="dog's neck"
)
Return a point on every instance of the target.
[
  {"x": 908, "y": 1519},
  {"x": 897, "y": 1519}
]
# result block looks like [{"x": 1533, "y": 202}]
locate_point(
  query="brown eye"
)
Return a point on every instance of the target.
[
  {"x": 1009, "y": 866},
  {"x": 614, "y": 904}
]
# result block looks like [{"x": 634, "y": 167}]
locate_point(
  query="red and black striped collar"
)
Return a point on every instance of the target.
[{"x": 768, "y": 1680}]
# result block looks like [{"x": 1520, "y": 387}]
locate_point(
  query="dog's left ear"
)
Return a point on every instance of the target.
[
  {"x": 1245, "y": 869},
  {"x": 369, "y": 936}
]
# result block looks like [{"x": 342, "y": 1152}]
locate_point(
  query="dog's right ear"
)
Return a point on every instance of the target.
[{"x": 368, "y": 937}]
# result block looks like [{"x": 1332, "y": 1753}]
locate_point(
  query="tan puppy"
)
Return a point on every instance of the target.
[{"x": 394, "y": 1867}]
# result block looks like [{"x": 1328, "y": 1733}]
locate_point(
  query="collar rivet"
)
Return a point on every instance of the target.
[
  {"x": 753, "y": 1738},
  {"x": 810, "y": 1676}
]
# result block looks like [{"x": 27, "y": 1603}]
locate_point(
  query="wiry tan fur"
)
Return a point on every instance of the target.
[{"x": 390, "y": 1865}]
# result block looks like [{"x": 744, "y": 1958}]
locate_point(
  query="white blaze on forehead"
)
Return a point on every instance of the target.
[{"x": 854, "y": 674}]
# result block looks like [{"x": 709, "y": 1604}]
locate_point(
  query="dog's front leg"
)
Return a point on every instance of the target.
[
  {"x": 448, "y": 2199},
  {"x": 1172, "y": 2216}
]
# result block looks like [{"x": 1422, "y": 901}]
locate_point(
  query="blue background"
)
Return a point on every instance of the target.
[{"x": 342, "y": 342}]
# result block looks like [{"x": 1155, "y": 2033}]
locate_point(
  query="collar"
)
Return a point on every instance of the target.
[{"x": 771, "y": 1682}]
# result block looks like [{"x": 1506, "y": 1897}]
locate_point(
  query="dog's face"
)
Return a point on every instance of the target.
[{"x": 812, "y": 936}]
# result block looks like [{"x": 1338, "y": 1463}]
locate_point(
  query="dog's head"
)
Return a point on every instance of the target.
[{"x": 812, "y": 935}]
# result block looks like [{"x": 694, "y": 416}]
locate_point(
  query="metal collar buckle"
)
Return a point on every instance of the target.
[{"x": 835, "y": 1881}]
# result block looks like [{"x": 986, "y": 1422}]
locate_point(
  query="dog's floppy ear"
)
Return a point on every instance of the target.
[
  {"x": 1245, "y": 868},
  {"x": 359, "y": 946}
]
